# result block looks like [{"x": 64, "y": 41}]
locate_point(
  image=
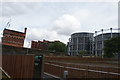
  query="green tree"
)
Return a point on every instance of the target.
[
  {"x": 111, "y": 47},
  {"x": 58, "y": 47},
  {"x": 82, "y": 52}
]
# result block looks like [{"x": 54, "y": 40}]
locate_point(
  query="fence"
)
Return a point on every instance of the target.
[
  {"x": 79, "y": 71},
  {"x": 55, "y": 66},
  {"x": 18, "y": 66},
  {"x": 78, "y": 59}
]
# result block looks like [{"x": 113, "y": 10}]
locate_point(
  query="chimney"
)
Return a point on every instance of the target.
[{"x": 25, "y": 30}]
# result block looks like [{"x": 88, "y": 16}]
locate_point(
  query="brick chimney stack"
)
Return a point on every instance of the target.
[{"x": 25, "y": 30}]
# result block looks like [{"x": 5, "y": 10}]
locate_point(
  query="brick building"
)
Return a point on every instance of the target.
[
  {"x": 13, "y": 38},
  {"x": 43, "y": 45}
]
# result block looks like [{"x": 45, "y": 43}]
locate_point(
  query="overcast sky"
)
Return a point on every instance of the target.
[{"x": 57, "y": 20}]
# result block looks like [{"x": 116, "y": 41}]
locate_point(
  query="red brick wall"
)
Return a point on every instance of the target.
[
  {"x": 13, "y": 38},
  {"x": 40, "y": 45}
]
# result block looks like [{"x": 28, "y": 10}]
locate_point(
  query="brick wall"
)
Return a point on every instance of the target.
[{"x": 13, "y": 38}]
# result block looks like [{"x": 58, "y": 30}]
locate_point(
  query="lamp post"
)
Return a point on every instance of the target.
[
  {"x": 77, "y": 46},
  {"x": 111, "y": 32},
  {"x": 102, "y": 43}
]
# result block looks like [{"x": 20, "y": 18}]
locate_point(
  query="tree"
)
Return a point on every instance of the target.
[
  {"x": 82, "y": 52},
  {"x": 58, "y": 47},
  {"x": 112, "y": 47}
]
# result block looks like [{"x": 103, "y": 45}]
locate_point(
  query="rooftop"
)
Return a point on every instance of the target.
[{"x": 13, "y": 31}]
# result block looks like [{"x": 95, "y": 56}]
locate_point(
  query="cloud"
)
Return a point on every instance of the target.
[
  {"x": 59, "y": 21},
  {"x": 66, "y": 24},
  {"x": 9, "y": 9},
  {"x": 96, "y": 16},
  {"x": 60, "y": 0},
  {"x": 82, "y": 14},
  {"x": 40, "y": 34}
]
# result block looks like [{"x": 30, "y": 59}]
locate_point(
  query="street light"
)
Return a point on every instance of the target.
[
  {"x": 111, "y": 32},
  {"x": 96, "y": 43},
  {"x": 102, "y": 43}
]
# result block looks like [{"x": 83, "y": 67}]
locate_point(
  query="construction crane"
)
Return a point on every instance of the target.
[{"x": 8, "y": 23}]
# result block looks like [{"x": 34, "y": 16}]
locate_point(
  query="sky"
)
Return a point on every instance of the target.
[{"x": 57, "y": 20}]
